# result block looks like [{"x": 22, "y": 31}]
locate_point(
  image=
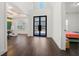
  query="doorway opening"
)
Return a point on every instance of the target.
[{"x": 40, "y": 26}]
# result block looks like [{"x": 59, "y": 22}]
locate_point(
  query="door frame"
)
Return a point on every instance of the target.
[
  {"x": 39, "y": 22},
  {"x": 63, "y": 27}
]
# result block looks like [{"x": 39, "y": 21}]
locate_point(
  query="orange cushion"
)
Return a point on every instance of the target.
[{"x": 72, "y": 35}]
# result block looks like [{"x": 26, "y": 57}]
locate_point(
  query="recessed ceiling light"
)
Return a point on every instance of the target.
[{"x": 77, "y": 3}]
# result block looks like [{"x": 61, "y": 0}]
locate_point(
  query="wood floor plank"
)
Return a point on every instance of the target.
[{"x": 22, "y": 45}]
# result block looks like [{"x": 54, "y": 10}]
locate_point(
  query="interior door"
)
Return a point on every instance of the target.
[{"x": 40, "y": 26}]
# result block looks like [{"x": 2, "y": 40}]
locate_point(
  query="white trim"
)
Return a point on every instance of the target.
[{"x": 2, "y": 52}]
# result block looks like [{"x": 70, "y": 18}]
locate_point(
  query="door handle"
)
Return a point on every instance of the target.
[{"x": 39, "y": 27}]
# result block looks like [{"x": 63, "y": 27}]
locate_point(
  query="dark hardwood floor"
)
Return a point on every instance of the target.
[{"x": 22, "y": 45}]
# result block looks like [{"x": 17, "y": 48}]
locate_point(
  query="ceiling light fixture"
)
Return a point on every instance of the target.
[{"x": 77, "y": 3}]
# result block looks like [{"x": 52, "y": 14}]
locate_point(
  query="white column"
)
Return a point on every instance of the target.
[{"x": 3, "y": 28}]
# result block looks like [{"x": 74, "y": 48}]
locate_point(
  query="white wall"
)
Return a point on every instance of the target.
[
  {"x": 73, "y": 21},
  {"x": 16, "y": 23},
  {"x": 58, "y": 29},
  {"x": 3, "y": 28}
]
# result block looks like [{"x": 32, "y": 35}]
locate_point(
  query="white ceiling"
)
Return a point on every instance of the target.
[{"x": 24, "y": 8}]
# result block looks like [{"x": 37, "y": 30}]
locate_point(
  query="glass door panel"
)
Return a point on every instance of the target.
[
  {"x": 36, "y": 24},
  {"x": 43, "y": 26},
  {"x": 43, "y": 19},
  {"x": 43, "y": 23},
  {"x": 43, "y": 32}
]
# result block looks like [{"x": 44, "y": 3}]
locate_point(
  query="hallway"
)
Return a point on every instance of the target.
[{"x": 31, "y": 46}]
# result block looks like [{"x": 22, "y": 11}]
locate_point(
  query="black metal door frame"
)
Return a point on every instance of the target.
[{"x": 40, "y": 24}]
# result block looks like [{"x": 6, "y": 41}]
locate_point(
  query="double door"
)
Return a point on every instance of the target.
[{"x": 40, "y": 26}]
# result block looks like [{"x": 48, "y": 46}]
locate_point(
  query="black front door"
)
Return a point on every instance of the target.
[{"x": 40, "y": 26}]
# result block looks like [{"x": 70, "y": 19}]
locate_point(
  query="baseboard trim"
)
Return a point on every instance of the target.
[
  {"x": 53, "y": 42},
  {"x": 5, "y": 54},
  {"x": 2, "y": 54}
]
